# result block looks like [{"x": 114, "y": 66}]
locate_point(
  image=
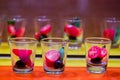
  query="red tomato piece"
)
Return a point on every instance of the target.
[
  {"x": 103, "y": 52},
  {"x": 109, "y": 33},
  {"x": 94, "y": 52},
  {"x": 20, "y": 32},
  {"x": 37, "y": 35},
  {"x": 51, "y": 56},
  {"x": 22, "y": 52},
  {"x": 11, "y": 30},
  {"x": 45, "y": 29},
  {"x": 72, "y": 30}
]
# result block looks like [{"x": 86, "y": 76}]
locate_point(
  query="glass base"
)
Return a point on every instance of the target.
[
  {"x": 29, "y": 70},
  {"x": 54, "y": 72},
  {"x": 96, "y": 68}
]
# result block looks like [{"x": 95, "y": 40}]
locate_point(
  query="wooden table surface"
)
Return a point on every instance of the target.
[{"x": 70, "y": 73}]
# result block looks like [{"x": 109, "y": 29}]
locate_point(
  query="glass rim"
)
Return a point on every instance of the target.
[
  {"x": 16, "y": 18},
  {"x": 22, "y": 40},
  {"x": 73, "y": 19},
  {"x": 97, "y": 40},
  {"x": 42, "y": 18},
  {"x": 54, "y": 38},
  {"x": 111, "y": 20}
]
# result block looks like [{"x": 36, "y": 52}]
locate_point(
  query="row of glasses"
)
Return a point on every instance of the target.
[
  {"x": 54, "y": 51},
  {"x": 42, "y": 27},
  {"x": 23, "y": 50},
  {"x": 73, "y": 30},
  {"x": 17, "y": 26}
]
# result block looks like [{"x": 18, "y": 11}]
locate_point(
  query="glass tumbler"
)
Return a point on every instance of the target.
[
  {"x": 73, "y": 31},
  {"x": 111, "y": 30},
  {"x": 23, "y": 50},
  {"x": 97, "y": 54},
  {"x": 16, "y": 26},
  {"x": 43, "y": 28},
  {"x": 54, "y": 52}
]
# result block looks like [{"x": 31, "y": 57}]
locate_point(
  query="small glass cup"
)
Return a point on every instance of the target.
[
  {"x": 97, "y": 54},
  {"x": 54, "y": 52},
  {"x": 43, "y": 28},
  {"x": 73, "y": 31},
  {"x": 23, "y": 50},
  {"x": 111, "y": 30},
  {"x": 16, "y": 26}
]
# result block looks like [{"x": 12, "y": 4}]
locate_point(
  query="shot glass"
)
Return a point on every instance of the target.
[
  {"x": 111, "y": 30},
  {"x": 16, "y": 26},
  {"x": 97, "y": 54},
  {"x": 43, "y": 28},
  {"x": 54, "y": 52},
  {"x": 23, "y": 50},
  {"x": 73, "y": 31}
]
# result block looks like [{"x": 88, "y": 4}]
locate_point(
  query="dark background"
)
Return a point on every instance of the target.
[{"x": 91, "y": 11}]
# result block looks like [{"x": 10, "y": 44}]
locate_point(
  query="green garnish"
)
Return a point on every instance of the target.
[{"x": 11, "y": 22}]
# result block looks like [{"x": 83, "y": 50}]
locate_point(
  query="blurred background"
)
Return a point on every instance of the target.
[{"x": 91, "y": 11}]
